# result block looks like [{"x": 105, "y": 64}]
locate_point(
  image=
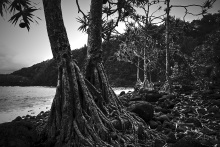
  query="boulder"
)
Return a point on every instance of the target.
[
  {"x": 137, "y": 98},
  {"x": 214, "y": 96},
  {"x": 153, "y": 124},
  {"x": 168, "y": 104},
  {"x": 187, "y": 142},
  {"x": 167, "y": 124},
  {"x": 171, "y": 138},
  {"x": 17, "y": 134},
  {"x": 165, "y": 110},
  {"x": 216, "y": 102},
  {"x": 187, "y": 88},
  {"x": 159, "y": 143},
  {"x": 17, "y": 119},
  {"x": 143, "y": 109},
  {"x": 169, "y": 96},
  {"x": 152, "y": 97},
  {"x": 162, "y": 118},
  {"x": 143, "y": 90},
  {"x": 122, "y": 93},
  {"x": 213, "y": 109},
  {"x": 202, "y": 111},
  {"x": 120, "y": 125}
]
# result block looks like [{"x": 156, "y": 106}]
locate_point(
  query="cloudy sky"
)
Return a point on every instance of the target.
[{"x": 20, "y": 48}]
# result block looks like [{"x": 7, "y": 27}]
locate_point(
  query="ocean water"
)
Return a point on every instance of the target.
[{"x": 20, "y": 101}]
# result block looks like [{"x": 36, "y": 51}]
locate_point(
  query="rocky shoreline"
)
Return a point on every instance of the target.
[{"x": 187, "y": 119}]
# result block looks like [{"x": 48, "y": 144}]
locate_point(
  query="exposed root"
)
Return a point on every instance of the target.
[{"x": 77, "y": 119}]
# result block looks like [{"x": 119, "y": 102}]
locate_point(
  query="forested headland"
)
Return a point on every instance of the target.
[
  {"x": 45, "y": 73},
  {"x": 195, "y": 58}
]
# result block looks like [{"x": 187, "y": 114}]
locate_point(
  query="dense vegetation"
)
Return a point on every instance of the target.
[
  {"x": 195, "y": 57},
  {"x": 45, "y": 73},
  {"x": 85, "y": 110}
]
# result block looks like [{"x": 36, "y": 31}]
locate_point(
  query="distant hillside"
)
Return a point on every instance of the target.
[
  {"x": 45, "y": 73},
  {"x": 196, "y": 50}
]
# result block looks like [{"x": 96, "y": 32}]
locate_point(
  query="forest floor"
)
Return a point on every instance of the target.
[{"x": 187, "y": 119}]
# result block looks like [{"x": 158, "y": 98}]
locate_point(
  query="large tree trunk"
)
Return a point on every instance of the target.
[
  {"x": 94, "y": 70},
  {"x": 76, "y": 119}
]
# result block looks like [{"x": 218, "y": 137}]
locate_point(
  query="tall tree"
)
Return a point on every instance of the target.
[
  {"x": 168, "y": 80},
  {"x": 139, "y": 47},
  {"x": 139, "y": 41},
  {"x": 204, "y": 7},
  {"x": 94, "y": 70},
  {"x": 78, "y": 116}
]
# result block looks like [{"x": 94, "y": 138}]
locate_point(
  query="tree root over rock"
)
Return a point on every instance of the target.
[{"x": 77, "y": 119}]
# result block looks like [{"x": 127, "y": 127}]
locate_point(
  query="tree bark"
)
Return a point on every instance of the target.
[
  {"x": 94, "y": 69},
  {"x": 138, "y": 71},
  {"x": 75, "y": 118},
  {"x": 168, "y": 80},
  {"x": 146, "y": 82}
]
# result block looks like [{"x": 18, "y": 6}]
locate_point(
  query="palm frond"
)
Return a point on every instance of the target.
[
  {"x": 28, "y": 16},
  {"x": 25, "y": 16},
  {"x": 18, "y": 4},
  {"x": 3, "y": 6},
  {"x": 84, "y": 24},
  {"x": 14, "y": 19}
]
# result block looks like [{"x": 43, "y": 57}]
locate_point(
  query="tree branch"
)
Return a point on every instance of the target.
[{"x": 79, "y": 10}]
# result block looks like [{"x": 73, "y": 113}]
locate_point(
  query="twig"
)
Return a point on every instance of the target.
[{"x": 79, "y": 10}]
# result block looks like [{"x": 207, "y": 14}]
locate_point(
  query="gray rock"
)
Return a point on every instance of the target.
[
  {"x": 152, "y": 97},
  {"x": 17, "y": 119},
  {"x": 122, "y": 93},
  {"x": 17, "y": 134},
  {"x": 153, "y": 124},
  {"x": 143, "y": 109},
  {"x": 187, "y": 142},
  {"x": 195, "y": 121}
]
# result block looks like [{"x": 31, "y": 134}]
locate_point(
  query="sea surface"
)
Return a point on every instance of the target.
[{"x": 21, "y": 101}]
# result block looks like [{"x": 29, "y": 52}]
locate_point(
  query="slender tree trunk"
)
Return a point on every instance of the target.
[
  {"x": 145, "y": 70},
  {"x": 138, "y": 71},
  {"x": 138, "y": 82},
  {"x": 167, "y": 47},
  {"x": 146, "y": 82},
  {"x": 94, "y": 70}
]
